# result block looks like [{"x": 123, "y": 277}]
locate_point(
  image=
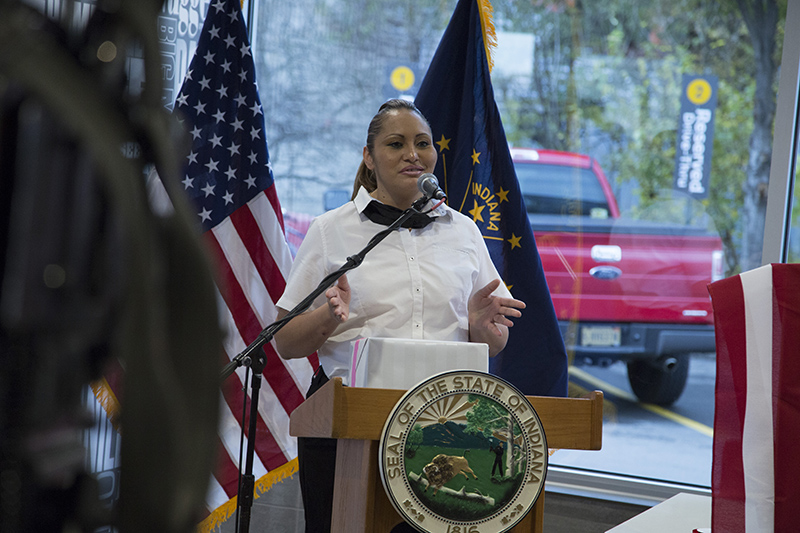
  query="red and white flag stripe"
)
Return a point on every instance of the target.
[{"x": 757, "y": 415}]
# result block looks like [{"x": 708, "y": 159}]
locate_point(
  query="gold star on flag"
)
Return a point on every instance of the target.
[
  {"x": 514, "y": 240},
  {"x": 475, "y": 156},
  {"x": 476, "y": 212},
  {"x": 444, "y": 144},
  {"x": 503, "y": 195}
]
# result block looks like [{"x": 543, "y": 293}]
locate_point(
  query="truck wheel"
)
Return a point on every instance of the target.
[{"x": 660, "y": 382}]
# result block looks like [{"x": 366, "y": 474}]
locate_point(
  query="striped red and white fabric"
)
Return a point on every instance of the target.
[{"x": 756, "y": 462}]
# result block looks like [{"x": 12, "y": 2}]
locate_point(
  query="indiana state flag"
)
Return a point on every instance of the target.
[{"x": 476, "y": 172}]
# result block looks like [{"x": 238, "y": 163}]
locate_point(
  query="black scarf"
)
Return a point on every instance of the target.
[{"x": 386, "y": 214}]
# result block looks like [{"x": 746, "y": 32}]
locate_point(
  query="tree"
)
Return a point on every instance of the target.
[
  {"x": 489, "y": 419},
  {"x": 761, "y": 18},
  {"x": 609, "y": 86},
  {"x": 605, "y": 81},
  {"x": 414, "y": 440},
  {"x": 322, "y": 66}
]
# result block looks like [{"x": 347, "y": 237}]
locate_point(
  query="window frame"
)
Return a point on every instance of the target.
[{"x": 784, "y": 146}]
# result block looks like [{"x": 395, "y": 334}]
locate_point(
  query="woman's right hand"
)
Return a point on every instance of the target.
[{"x": 307, "y": 332}]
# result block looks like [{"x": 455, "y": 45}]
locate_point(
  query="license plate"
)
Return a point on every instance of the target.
[{"x": 601, "y": 336}]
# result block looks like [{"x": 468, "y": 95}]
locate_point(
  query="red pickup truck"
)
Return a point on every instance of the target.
[{"x": 623, "y": 290}]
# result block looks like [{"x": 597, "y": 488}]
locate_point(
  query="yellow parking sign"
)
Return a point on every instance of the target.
[
  {"x": 698, "y": 91},
  {"x": 402, "y": 78}
]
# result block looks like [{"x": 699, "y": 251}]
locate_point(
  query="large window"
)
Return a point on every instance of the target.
[{"x": 671, "y": 101}]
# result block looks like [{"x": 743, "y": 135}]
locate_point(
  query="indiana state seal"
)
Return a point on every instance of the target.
[{"x": 463, "y": 452}]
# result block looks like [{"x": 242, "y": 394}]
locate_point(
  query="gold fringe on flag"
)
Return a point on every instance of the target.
[
  {"x": 266, "y": 482},
  {"x": 278, "y": 475},
  {"x": 218, "y": 517},
  {"x": 487, "y": 24}
]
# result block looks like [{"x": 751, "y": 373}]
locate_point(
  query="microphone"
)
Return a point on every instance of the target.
[{"x": 429, "y": 186}]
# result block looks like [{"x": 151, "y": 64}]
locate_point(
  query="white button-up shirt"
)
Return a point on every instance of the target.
[{"x": 415, "y": 284}]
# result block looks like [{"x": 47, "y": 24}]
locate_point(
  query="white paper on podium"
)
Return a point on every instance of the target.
[{"x": 384, "y": 363}]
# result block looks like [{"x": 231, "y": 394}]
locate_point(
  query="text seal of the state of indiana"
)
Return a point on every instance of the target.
[{"x": 463, "y": 452}]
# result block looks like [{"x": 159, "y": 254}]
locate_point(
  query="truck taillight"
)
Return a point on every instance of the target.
[{"x": 716, "y": 265}]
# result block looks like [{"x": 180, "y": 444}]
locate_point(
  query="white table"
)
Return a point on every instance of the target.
[{"x": 683, "y": 513}]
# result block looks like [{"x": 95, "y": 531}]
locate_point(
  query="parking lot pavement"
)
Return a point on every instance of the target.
[{"x": 643, "y": 440}]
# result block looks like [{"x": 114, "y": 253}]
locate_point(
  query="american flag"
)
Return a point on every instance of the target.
[{"x": 229, "y": 178}]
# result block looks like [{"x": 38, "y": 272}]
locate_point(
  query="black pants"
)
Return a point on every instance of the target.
[
  {"x": 317, "y": 466},
  {"x": 498, "y": 464}
]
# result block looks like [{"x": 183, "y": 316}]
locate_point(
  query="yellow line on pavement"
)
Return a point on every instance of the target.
[{"x": 657, "y": 409}]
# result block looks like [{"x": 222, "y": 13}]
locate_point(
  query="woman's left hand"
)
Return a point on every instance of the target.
[{"x": 489, "y": 317}]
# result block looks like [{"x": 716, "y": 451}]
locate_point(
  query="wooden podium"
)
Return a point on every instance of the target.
[{"x": 356, "y": 417}]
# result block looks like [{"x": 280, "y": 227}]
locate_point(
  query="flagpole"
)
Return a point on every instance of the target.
[{"x": 250, "y": 24}]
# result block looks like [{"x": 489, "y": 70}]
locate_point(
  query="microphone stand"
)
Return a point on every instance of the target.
[{"x": 256, "y": 358}]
